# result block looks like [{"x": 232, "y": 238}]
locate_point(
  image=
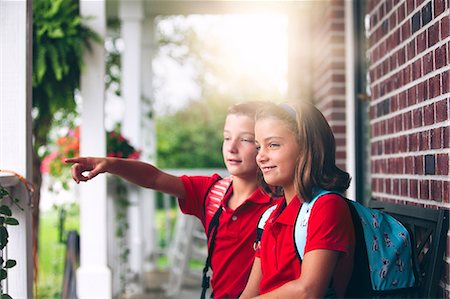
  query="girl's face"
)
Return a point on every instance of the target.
[
  {"x": 239, "y": 150},
  {"x": 278, "y": 151}
]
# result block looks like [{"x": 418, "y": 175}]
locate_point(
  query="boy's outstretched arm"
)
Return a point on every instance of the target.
[{"x": 134, "y": 171}]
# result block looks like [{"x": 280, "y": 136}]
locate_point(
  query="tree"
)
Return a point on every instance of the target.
[
  {"x": 59, "y": 41},
  {"x": 192, "y": 137}
]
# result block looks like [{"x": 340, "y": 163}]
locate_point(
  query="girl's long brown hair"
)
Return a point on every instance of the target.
[{"x": 316, "y": 164}]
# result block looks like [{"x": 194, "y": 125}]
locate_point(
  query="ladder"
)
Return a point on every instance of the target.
[{"x": 188, "y": 244}]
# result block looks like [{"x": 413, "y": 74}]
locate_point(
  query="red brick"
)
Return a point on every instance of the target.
[
  {"x": 382, "y": 128},
  {"x": 438, "y": 7},
  {"x": 428, "y": 114},
  {"x": 412, "y": 96},
  {"x": 411, "y": 49},
  {"x": 401, "y": 53},
  {"x": 413, "y": 188},
  {"x": 422, "y": 42},
  {"x": 446, "y": 137},
  {"x": 422, "y": 91},
  {"x": 424, "y": 140},
  {"x": 440, "y": 57},
  {"x": 413, "y": 142},
  {"x": 434, "y": 86},
  {"x": 416, "y": 69},
  {"x": 401, "y": 13},
  {"x": 417, "y": 118},
  {"x": 409, "y": 165},
  {"x": 445, "y": 28},
  {"x": 387, "y": 186},
  {"x": 419, "y": 165},
  {"x": 398, "y": 123},
  {"x": 427, "y": 63},
  {"x": 424, "y": 189},
  {"x": 387, "y": 148},
  {"x": 442, "y": 164},
  {"x": 404, "y": 187},
  {"x": 383, "y": 166},
  {"x": 407, "y": 120},
  {"x": 403, "y": 143},
  {"x": 442, "y": 111},
  {"x": 390, "y": 126},
  {"x": 436, "y": 138},
  {"x": 409, "y": 6},
  {"x": 433, "y": 35},
  {"x": 402, "y": 103},
  {"x": 395, "y": 187},
  {"x": 399, "y": 163},
  {"x": 445, "y": 81},
  {"x": 436, "y": 190},
  {"x": 446, "y": 194}
]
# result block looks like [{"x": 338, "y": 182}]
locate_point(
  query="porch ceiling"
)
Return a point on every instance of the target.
[{"x": 179, "y": 7}]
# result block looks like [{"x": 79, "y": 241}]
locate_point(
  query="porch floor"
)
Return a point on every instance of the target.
[{"x": 156, "y": 281}]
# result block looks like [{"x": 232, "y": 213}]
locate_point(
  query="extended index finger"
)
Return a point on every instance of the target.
[{"x": 73, "y": 160}]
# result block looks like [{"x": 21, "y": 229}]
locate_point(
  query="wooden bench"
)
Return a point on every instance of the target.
[{"x": 428, "y": 229}]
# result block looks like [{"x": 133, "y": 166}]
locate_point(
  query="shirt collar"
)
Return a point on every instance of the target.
[
  {"x": 287, "y": 214},
  {"x": 258, "y": 197}
]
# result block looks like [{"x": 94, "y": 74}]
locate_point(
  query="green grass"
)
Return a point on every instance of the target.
[{"x": 52, "y": 251}]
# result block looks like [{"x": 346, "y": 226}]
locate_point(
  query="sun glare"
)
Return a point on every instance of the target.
[
  {"x": 247, "y": 46},
  {"x": 258, "y": 45}
]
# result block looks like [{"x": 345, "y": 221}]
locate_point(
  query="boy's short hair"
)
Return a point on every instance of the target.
[{"x": 246, "y": 108}]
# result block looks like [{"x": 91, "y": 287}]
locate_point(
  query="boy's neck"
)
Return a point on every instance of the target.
[{"x": 242, "y": 190}]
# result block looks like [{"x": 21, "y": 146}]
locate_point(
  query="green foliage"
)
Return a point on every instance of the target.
[
  {"x": 192, "y": 138},
  {"x": 59, "y": 41},
  {"x": 6, "y": 218}
]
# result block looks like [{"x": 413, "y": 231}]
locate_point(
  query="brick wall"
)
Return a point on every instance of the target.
[
  {"x": 409, "y": 54},
  {"x": 328, "y": 68}
]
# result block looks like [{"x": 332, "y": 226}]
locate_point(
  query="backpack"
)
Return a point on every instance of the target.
[
  {"x": 215, "y": 194},
  {"x": 383, "y": 260}
]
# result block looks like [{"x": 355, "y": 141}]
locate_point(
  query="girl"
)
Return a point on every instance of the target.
[
  {"x": 297, "y": 152},
  {"x": 242, "y": 204}
]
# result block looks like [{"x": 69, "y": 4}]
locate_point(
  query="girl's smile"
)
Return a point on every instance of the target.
[{"x": 277, "y": 153}]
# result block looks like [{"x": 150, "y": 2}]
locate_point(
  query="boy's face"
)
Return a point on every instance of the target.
[{"x": 239, "y": 150}]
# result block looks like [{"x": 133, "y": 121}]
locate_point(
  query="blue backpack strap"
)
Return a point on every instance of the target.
[{"x": 301, "y": 223}]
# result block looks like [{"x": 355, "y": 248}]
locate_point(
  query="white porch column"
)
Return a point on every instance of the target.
[
  {"x": 131, "y": 16},
  {"x": 350, "y": 97},
  {"x": 148, "y": 197},
  {"x": 93, "y": 276},
  {"x": 15, "y": 135}
]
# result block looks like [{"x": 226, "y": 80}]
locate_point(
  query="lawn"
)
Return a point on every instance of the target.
[{"x": 52, "y": 249}]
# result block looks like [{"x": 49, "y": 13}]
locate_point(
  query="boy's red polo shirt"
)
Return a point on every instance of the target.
[
  {"x": 233, "y": 254},
  {"x": 330, "y": 227}
]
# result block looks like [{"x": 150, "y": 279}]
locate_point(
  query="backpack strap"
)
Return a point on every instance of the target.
[
  {"x": 260, "y": 227},
  {"x": 301, "y": 223},
  {"x": 213, "y": 224}
]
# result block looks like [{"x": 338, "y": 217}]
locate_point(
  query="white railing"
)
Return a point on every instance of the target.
[{"x": 20, "y": 278}]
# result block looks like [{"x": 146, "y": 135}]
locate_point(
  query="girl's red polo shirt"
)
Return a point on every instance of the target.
[
  {"x": 330, "y": 227},
  {"x": 233, "y": 254}
]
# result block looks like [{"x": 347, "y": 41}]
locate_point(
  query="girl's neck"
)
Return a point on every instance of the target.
[{"x": 289, "y": 193}]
